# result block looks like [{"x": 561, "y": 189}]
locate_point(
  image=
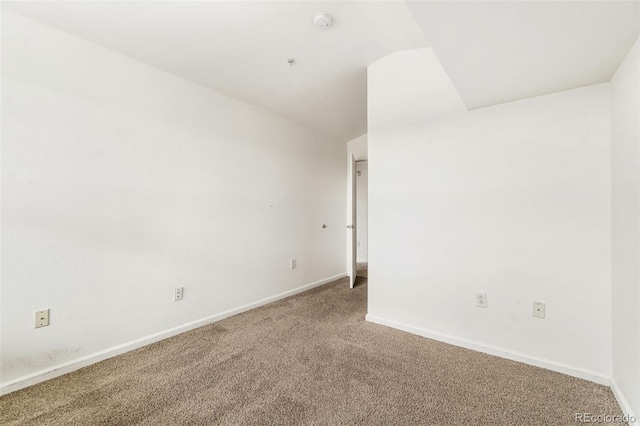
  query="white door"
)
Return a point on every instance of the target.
[{"x": 351, "y": 225}]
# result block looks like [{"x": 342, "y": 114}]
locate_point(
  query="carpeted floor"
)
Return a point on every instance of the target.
[
  {"x": 362, "y": 270},
  {"x": 309, "y": 359}
]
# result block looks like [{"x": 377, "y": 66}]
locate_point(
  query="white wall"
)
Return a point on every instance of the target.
[
  {"x": 625, "y": 170},
  {"x": 121, "y": 182},
  {"x": 512, "y": 200},
  {"x": 362, "y": 183},
  {"x": 358, "y": 147}
]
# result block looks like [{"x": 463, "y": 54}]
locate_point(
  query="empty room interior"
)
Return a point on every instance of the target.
[{"x": 195, "y": 194}]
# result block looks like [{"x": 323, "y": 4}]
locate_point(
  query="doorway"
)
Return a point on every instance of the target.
[
  {"x": 358, "y": 210},
  {"x": 362, "y": 213}
]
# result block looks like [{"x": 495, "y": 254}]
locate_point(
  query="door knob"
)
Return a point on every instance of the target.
[{"x": 351, "y": 226}]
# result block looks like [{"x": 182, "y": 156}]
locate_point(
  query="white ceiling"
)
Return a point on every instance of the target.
[
  {"x": 493, "y": 51},
  {"x": 241, "y": 48},
  {"x": 500, "y": 51}
]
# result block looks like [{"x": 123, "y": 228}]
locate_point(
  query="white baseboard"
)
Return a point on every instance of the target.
[
  {"x": 76, "y": 364},
  {"x": 623, "y": 402},
  {"x": 491, "y": 350}
]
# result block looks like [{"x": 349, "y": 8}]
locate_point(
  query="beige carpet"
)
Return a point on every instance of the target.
[
  {"x": 309, "y": 359},
  {"x": 362, "y": 270}
]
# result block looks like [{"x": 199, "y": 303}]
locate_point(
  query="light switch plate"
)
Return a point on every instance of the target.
[{"x": 538, "y": 310}]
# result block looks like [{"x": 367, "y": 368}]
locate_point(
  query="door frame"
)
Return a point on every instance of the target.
[{"x": 352, "y": 202}]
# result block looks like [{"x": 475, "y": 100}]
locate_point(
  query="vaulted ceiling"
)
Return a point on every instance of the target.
[
  {"x": 493, "y": 51},
  {"x": 500, "y": 51}
]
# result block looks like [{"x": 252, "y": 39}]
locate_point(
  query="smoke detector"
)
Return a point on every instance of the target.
[{"x": 322, "y": 20}]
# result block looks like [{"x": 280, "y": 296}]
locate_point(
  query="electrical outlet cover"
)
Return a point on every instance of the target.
[
  {"x": 42, "y": 318},
  {"x": 177, "y": 295},
  {"x": 481, "y": 300}
]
